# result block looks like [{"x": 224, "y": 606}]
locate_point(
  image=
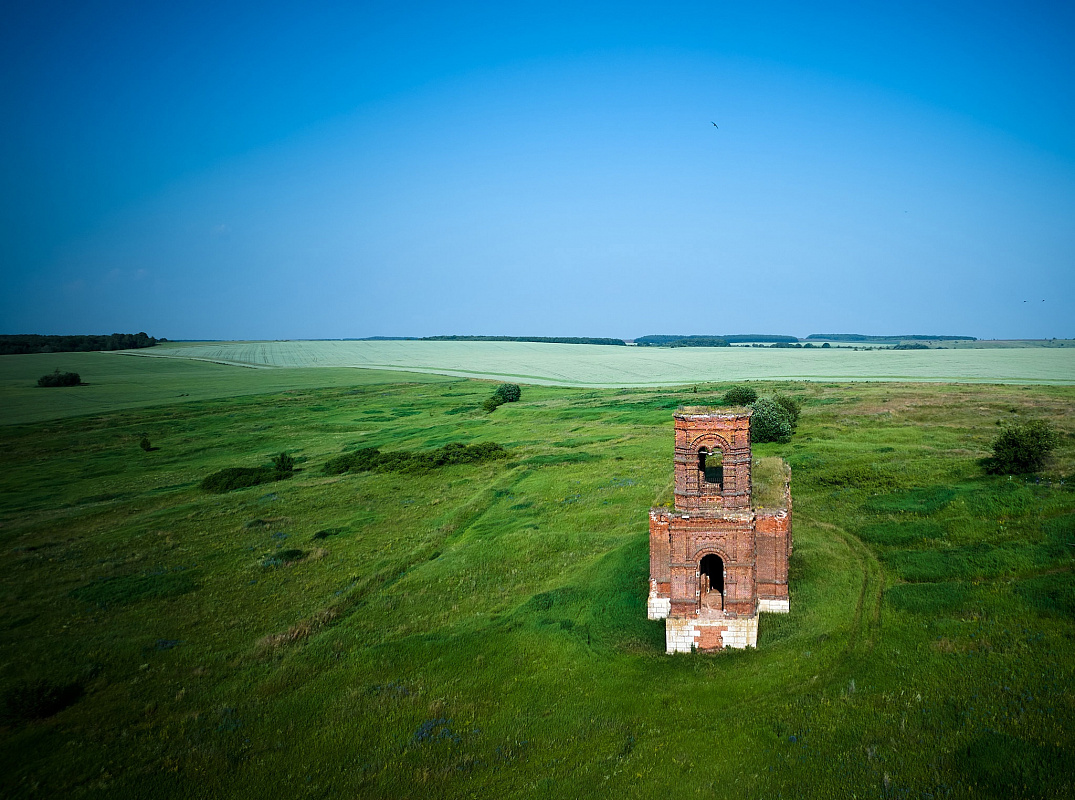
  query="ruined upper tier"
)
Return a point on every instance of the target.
[{"x": 712, "y": 459}]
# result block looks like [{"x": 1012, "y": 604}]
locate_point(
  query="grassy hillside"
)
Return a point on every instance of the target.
[{"x": 480, "y": 630}]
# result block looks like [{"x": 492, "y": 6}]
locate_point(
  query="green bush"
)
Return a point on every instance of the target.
[
  {"x": 1021, "y": 448},
  {"x": 508, "y": 392},
  {"x": 232, "y": 478},
  {"x": 770, "y": 422},
  {"x": 145, "y": 445},
  {"x": 58, "y": 378},
  {"x": 284, "y": 463},
  {"x": 791, "y": 406},
  {"x": 740, "y": 396},
  {"x": 370, "y": 459},
  {"x": 505, "y": 393}
]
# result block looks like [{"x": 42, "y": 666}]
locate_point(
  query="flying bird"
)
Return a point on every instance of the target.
[{"x": 715, "y": 125}]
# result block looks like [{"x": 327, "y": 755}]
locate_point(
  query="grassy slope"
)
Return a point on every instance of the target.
[{"x": 481, "y": 631}]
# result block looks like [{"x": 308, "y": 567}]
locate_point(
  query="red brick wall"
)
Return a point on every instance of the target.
[
  {"x": 728, "y": 433},
  {"x": 710, "y": 638},
  {"x": 773, "y": 543}
]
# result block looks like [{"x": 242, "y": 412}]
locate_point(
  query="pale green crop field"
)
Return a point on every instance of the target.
[{"x": 604, "y": 367}]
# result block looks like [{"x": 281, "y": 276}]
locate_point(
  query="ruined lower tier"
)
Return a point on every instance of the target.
[{"x": 711, "y": 574}]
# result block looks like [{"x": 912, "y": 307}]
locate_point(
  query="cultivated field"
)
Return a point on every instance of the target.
[
  {"x": 480, "y": 630},
  {"x": 602, "y": 366}
]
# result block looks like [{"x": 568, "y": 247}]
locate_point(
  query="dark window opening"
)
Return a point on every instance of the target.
[
  {"x": 711, "y": 465},
  {"x": 711, "y": 578}
]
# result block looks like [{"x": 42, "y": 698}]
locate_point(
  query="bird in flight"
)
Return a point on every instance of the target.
[{"x": 715, "y": 125}]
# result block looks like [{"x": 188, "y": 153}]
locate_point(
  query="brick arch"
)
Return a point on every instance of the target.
[
  {"x": 710, "y": 440},
  {"x": 715, "y": 582},
  {"x": 710, "y": 550}
]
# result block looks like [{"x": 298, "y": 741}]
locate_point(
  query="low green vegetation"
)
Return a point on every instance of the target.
[
  {"x": 505, "y": 393},
  {"x": 1022, "y": 448},
  {"x": 792, "y": 408},
  {"x": 768, "y": 478},
  {"x": 231, "y": 478},
  {"x": 774, "y": 419},
  {"x": 479, "y": 629},
  {"x": 371, "y": 459},
  {"x": 58, "y": 378},
  {"x": 770, "y": 422},
  {"x": 740, "y": 396}
]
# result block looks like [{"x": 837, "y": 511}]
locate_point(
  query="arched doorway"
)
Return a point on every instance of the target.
[
  {"x": 711, "y": 579},
  {"x": 711, "y": 466}
]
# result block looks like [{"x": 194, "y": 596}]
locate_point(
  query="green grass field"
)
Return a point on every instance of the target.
[
  {"x": 114, "y": 381},
  {"x": 480, "y": 630}
]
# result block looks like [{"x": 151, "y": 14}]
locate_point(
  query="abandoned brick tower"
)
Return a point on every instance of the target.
[{"x": 720, "y": 556}]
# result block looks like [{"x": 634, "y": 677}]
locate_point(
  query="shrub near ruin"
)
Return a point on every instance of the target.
[
  {"x": 740, "y": 396},
  {"x": 770, "y": 422}
]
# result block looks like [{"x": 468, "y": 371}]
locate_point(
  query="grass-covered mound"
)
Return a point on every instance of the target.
[
  {"x": 371, "y": 459},
  {"x": 768, "y": 478}
]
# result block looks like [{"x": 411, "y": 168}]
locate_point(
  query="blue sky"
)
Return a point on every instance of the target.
[{"x": 234, "y": 170}]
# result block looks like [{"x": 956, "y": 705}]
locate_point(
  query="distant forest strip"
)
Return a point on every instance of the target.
[
  {"x": 858, "y": 337},
  {"x": 26, "y": 343},
  {"x": 663, "y": 340},
  {"x": 542, "y": 339}
]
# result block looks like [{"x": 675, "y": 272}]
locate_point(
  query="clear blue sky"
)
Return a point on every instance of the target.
[{"x": 252, "y": 170}]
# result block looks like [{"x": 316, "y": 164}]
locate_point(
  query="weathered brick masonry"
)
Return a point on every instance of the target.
[{"x": 716, "y": 560}]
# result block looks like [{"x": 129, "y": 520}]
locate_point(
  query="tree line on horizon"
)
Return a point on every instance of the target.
[
  {"x": 541, "y": 339},
  {"x": 860, "y": 337},
  {"x": 29, "y": 343},
  {"x": 726, "y": 340}
]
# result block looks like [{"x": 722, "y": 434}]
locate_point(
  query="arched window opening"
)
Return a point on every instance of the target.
[
  {"x": 711, "y": 466},
  {"x": 711, "y": 577}
]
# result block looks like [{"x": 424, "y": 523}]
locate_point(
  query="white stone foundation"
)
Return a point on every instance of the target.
[
  {"x": 772, "y": 606},
  {"x": 658, "y": 607},
  {"x": 681, "y": 634},
  {"x": 742, "y": 632}
]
